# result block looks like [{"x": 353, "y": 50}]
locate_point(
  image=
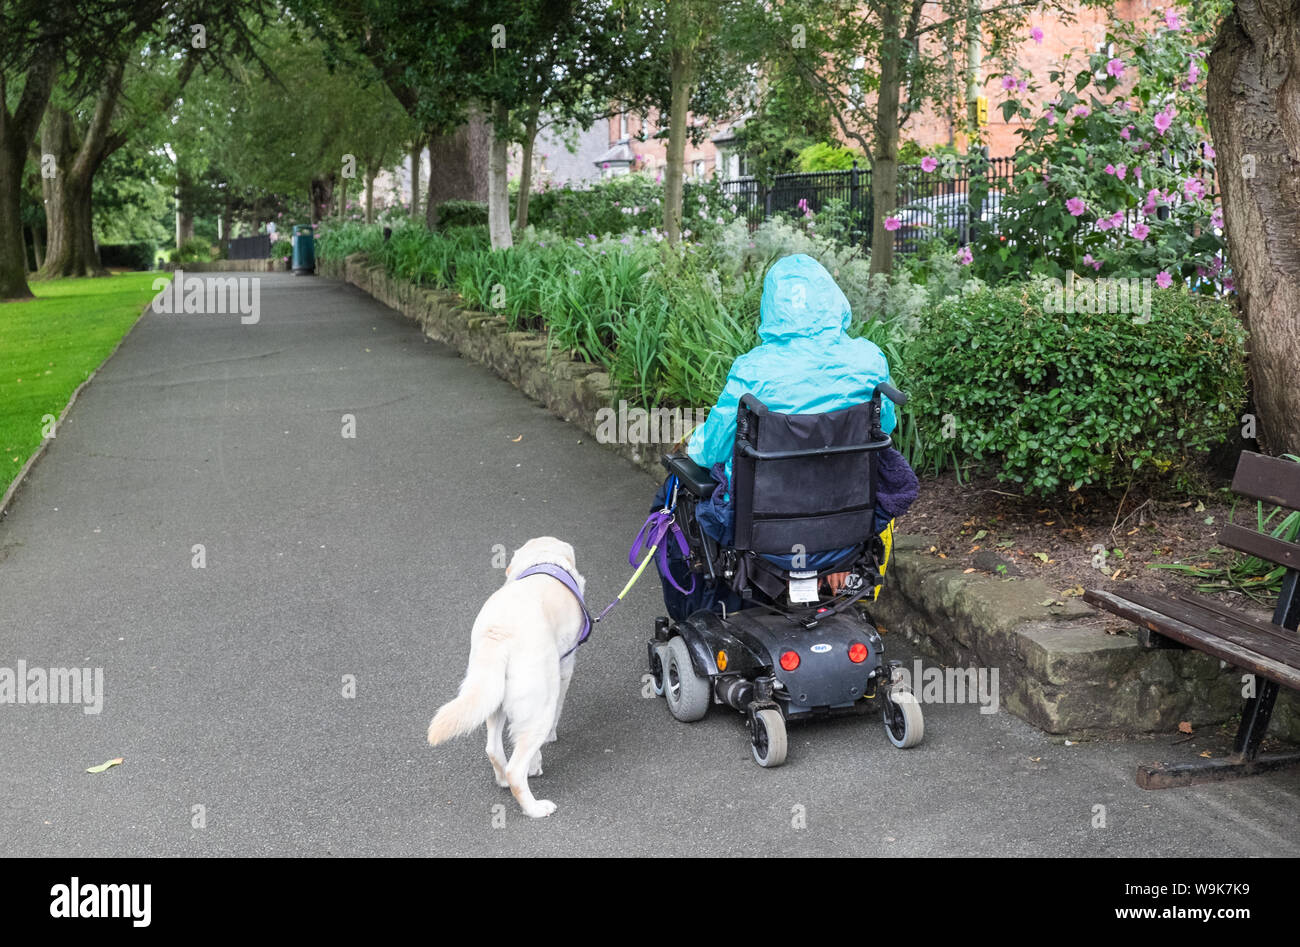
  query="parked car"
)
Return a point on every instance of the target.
[{"x": 930, "y": 217}]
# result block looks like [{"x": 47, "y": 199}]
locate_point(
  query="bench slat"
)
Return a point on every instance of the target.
[
  {"x": 1266, "y": 547},
  {"x": 1188, "y": 609},
  {"x": 1246, "y": 630},
  {"x": 1274, "y": 480},
  {"x": 1254, "y": 650}
]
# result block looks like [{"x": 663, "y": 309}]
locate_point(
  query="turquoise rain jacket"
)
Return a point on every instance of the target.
[{"x": 807, "y": 363}]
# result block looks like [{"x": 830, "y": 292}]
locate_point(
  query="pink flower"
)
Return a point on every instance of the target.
[
  {"x": 1193, "y": 188},
  {"x": 1104, "y": 224},
  {"x": 1008, "y": 82},
  {"x": 1171, "y": 18},
  {"x": 1082, "y": 111},
  {"x": 1076, "y": 206},
  {"x": 1164, "y": 118},
  {"x": 1125, "y": 132},
  {"x": 1089, "y": 261},
  {"x": 929, "y": 163},
  {"x": 1051, "y": 118},
  {"x": 1216, "y": 218},
  {"x": 1149, "y": 207},
  {"x": 1193, "y": 72},
  {"x": 1164, "y": 280},
  {"x": 964, "y": 256},
  {"x": 892, "y": 223},
  {"x": 1141, "y": 231},
  {"x": 1209, "y": 151},
  {"x": 1110, "y": 169},
  {"x": 1037, "y": 35},
  {"x": 1117, "y": 219},
  {"x": 1115, "y": 68}
]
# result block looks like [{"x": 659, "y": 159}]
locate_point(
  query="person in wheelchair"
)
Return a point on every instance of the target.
[{"x": 806, "y": 364}]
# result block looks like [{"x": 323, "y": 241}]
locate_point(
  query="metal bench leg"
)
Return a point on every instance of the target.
[
  {"x": 1254, "y": 721},
  {"x": 1244, "y": 761}
]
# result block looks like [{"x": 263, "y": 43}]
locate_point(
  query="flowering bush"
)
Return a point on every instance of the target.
[{"x": 1115, "y": 174}]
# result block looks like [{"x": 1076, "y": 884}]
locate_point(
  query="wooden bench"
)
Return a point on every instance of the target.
[{"x": 1270, "y": 651}]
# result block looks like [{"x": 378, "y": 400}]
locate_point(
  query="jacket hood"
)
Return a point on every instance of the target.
[{"x": 801, "y": 299}]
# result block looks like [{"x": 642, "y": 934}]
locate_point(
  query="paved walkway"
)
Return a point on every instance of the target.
[{"x": 329, "y": 557}]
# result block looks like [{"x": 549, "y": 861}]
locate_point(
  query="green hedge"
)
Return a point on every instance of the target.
[
  {"x": 1057, "y": 401},
  {"x": 131, "y": 256}
]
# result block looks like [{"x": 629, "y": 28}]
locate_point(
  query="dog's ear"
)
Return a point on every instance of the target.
[{"x": 515, "y": 566}]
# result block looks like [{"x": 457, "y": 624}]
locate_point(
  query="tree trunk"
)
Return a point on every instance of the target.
[
  {"x": 17, "y": 130},
  {"x": 71, "y": 250},
  {"x": 498, "y": 187},
  {"x": 417, "y": 149},
  {"x": 526, "y": 171},
  {"x": 342, "y": 207},
  {"x": 370, "y": 195},
  {"x": 227, "y": 222},
  {"x": 458, "y": 166},
  {"x": 884, "y": 164},
  {"x": 1254, "y": 111},
  {"x": 679, "y": 98}
]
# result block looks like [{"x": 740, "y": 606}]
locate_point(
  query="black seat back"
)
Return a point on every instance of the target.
[{"x": 805, "y": 482}]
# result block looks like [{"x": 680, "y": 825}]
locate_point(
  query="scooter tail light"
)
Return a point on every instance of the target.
[
  {"x": 789, "y": 660},
  {"x": 857, "y": 652}
]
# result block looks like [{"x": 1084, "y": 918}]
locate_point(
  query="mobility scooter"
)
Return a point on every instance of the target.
[{"x": 804, "y": 491}]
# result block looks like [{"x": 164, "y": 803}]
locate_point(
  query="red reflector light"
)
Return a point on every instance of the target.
[
  {"x": 789, "y": 661},
  {"x": 857, "y": 652}
]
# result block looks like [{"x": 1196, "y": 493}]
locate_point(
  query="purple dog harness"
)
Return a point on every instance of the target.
[
  {"x": 660, "y": 525},
  {"x": 566, "y": 579}
]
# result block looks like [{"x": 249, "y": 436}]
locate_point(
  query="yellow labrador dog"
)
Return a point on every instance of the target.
[{"x": 520, "y": 663}]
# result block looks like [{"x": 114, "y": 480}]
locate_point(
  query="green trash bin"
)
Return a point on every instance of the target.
[{"x": 304, "y": 251}]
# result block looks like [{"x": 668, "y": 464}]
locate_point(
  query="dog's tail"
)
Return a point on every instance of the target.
[{"x": 482, "y": 692}]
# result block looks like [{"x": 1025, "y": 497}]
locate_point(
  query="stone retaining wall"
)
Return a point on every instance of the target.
[
  {"x": 230, "y": 266},
  {"x": 1058, "y": 667}
]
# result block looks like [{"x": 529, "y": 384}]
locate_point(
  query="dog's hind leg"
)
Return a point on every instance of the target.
[
  {"x": 528, "y": 746},
  {"x": 496, "y": 750},
  {"x": 566, "y": 675}
]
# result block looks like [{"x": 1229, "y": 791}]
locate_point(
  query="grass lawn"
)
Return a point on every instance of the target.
[{"x": 49, "y": 345}]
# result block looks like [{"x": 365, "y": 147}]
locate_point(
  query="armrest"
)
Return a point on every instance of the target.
[{"x": 690, "y": 475}]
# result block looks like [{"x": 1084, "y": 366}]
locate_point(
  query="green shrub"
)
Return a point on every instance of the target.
[
  {"x": 194, "y": 250},
  {"x": 131, "y": 256},
  {"x": 827, "y": 157},
  {"x": 462, "y": 214},
  {"x": 1062, "y": 401}
]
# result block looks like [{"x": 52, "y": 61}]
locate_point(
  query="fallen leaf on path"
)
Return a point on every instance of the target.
[
  {"x": 1035, "y": 759},
  {"x": 103, "y": 766},
  {"x": 516, "y": 440},
  {"x": 967, "y": 571},
  {"x": 1184, "y": 727},
  {"x": 1205, "y": 753}
]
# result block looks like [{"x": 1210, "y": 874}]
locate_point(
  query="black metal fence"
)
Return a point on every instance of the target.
[
  {"x": 930, "y": 202},
  {"x": 256, "y": 247}
]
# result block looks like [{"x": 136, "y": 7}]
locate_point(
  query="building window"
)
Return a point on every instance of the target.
[
  {"x": 699, "y": 169},
  {"x": 622, "y": 126}
]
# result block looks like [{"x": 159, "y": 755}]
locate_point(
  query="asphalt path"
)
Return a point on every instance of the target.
[{"x": 331, "y": 559}]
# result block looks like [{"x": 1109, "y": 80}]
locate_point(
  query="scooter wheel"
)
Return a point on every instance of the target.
[
  {"x": 657, "y": 665},
  {"x": 768, "y": 741},
  {"x": 904, "y": 723},
  {"x": 688, "y": 694}
]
